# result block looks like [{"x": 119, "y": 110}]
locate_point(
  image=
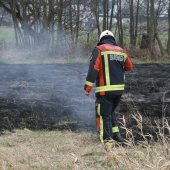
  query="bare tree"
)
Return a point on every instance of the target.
[
  {"x": 136, "y": 22},
  {"x": 71, "y": 20},
  {"x": 104, "y": 14},
  {"x": 59, "y": 14},
  {"x": 159, "y": 9},
  {"x": 77, "y": 21},
  {"x": 50, "y": 22},
  {"x": 133, "y": 21},
  {"x": 111, "y": 15},
  {"x": 132, "y": 28},
  {"x": 152, "y": 27},
  {"x": 152, "y": 24},
  {"x": 119, "y": 23},
  {"x": 95, "y": 10},
  {"x": 168, "y": 44}
]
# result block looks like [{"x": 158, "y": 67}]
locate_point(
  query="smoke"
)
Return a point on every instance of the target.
[
  {"x": 38, "y": 93},
  {"x": 41, "y": 47},
  {"x": 44, "y": 96}
]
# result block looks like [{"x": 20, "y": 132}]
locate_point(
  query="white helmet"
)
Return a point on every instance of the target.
[{"x": 106, "y": 32}]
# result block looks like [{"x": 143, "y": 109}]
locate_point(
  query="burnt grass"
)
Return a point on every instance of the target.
[{"x": 52, "y": 97}]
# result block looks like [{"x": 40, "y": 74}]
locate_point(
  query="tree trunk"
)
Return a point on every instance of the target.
[
  {"x": 59, "y": 43},
  {"x": 132, "y": 30},
  {"x": 111, "y": 15},
  {"x": 2, "y": 16},
  {"x": 152, "y": 28},
  {"x": 18, "y": 34},
  {"x": 51, "y": 23},
  {"x": 15, "y": 22},
  {"x": 96, "y": 13},
  {"x": 148, "y": 18},
  {"x": 160, "y": 44},
  {"x": 77, "y": 21},
  {"x": 119, "y": 23},
  {"x": 104, "y": 14},
  {"x": 71, "y": 20},
  {"x": 60, "y": 13},
  {"x": 168, "y": 44},
  {"x": 25, "y": 24},
  {"x": 107, "y": 14},
  {"x": 154, "y": 32},
  {"x": 136, "y": 23}
]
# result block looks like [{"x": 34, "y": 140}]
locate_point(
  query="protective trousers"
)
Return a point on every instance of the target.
[{"x": 106, "y": 120}]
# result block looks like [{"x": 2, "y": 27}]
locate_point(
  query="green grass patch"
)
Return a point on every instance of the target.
[{"x": 7, "y": 34}]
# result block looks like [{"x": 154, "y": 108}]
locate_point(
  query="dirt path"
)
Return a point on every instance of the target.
[{"x": 49, "y": 94}]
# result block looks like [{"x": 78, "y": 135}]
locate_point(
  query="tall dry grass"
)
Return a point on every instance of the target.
[{"x": 62, "y": 150}]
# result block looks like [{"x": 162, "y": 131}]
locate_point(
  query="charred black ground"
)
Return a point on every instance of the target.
[
  {"x": 51, "y": 96},
  {"x": 147, "y": 94}
]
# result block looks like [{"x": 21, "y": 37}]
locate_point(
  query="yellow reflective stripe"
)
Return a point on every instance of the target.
[
  {"x": 101, "y": 129},
  {"x": 110, "y": 88},
  {"x": 107, "y": 72},
  {"x": 98, "y": 109},
  {"x": 101, "y": 124},
  {"x": 89, "y": 83},
  {"x": 115, "y": 129}
]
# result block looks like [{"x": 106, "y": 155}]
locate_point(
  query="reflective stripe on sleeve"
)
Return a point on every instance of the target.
[
  {"x": 110, "y": 88},
  {"x": 89, "y": 83}
]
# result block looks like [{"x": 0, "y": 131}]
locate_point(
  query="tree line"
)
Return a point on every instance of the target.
[{"x": 58, "y": 23}]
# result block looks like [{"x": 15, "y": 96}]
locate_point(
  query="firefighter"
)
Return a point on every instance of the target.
[{"x": 108, "y": 63}]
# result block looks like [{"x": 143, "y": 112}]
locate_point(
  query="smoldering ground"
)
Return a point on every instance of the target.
[
  {"x": 44, "y": 96},
  {"x": 51, "y": 96},
  {"x": 33, "y": 94}
]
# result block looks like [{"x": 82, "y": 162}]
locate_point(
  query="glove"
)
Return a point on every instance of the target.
[{"x": 86, "y": 93}]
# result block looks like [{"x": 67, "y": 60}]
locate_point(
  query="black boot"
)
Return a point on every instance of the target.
[{"x": 117, "y": 137}]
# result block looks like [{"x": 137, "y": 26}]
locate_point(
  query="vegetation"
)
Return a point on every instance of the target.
[
  {"x": 52, "y": 25},
  {"x": 7, "y": 35},
  {"x": 42, "y": 29},
  {"x": 25, "y": 149}
]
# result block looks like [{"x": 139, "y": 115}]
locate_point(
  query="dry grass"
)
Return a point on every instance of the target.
[
  {"x": 143, "y": 56},
  {"x": 67, "y": 150},
  {"x": 62, "y": 150}
]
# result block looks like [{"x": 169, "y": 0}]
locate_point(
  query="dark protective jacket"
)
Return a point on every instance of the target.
[{"x": 107, "y": 65}]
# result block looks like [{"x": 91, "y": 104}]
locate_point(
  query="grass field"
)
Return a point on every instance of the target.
[
  {"x": 7, "y": 34},
  {"x": 9, "y": 54},
  {"x": 66, "y": 150}
]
